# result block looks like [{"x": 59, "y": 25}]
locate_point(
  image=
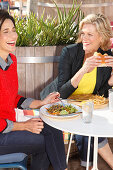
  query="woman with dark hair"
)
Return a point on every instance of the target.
[
  {"x": 31, "y": 137},
  {"x": 80, "y": 73}
]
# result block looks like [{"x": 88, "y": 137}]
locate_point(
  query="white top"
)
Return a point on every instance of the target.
[{"x": 101, "y": 125}]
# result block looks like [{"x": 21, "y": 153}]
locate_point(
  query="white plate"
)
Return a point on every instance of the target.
[{"x": 43, "y": 110}]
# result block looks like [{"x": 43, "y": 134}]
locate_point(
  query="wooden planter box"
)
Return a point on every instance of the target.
[{"x": 37, "y": 67}]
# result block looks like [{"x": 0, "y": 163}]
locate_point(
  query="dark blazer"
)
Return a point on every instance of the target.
[{"x": 71, "y": 61}]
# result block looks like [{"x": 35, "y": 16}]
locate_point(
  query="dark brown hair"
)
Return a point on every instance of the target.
[{"x": 5, "y": 15}]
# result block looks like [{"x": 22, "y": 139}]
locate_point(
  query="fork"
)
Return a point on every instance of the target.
[
  {"x": 61, "y": 101},
  {"x": 63, "y": 104}
]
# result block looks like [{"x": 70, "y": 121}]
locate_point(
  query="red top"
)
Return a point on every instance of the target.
[{"x": 9, "y": 97}]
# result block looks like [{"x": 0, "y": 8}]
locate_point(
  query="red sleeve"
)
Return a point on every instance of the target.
[
  {"x": 3, "y": 124},
  {"x": 18, "y": 97}
]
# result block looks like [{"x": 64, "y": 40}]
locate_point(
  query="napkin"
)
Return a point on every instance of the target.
[{"x": 24, "y": 115}]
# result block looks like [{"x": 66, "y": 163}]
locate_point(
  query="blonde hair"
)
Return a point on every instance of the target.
[{"x": 103, "y": 28}]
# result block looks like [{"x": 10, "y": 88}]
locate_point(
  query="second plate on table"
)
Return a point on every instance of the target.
[{"x": 99, "y": 101}]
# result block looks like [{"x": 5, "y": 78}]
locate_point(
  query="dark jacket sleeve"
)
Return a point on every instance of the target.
[
  {"x": 68, "y": 59},
  {"x": 64, "y": 83},
  {"x": 52, "y": 87},
  {"x": 104, "y": 90},
  {"x": 104, "y": 74}
]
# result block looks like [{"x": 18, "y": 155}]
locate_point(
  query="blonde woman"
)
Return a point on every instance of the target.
[{"x": 79, "y": 73}]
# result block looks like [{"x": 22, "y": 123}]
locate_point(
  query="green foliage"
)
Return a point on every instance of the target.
[
  {"x": 27, "y": 29},
  {"x": 63, "y": 29}
]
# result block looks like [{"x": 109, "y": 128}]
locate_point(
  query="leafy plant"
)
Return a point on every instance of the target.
[
  {"x": 27, "y": 29},
  {"x": 62, "y": 29}
]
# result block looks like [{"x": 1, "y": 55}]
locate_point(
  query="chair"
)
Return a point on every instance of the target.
[{"x": 14, "y": 160}]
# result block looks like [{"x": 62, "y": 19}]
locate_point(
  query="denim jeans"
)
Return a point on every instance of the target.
[
  {"x": 82, "y": 145},
  {"x": 45, "y": 147}
]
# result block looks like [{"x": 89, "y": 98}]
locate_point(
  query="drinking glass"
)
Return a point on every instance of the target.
[
  {"x": 87, "y": 111},
  {"x": 111, "y": 99}
]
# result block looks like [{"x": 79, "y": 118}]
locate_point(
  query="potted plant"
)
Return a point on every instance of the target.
[{"x": 39, "y": 44}]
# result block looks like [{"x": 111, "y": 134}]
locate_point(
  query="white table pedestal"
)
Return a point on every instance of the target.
[
  {"x": 69, "y": 147},
  {"x": 88, "y": 152},
  {"x": 95, "y": 155}
]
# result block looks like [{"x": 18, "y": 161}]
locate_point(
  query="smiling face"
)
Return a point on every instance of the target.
[
  {"x": 8, "y": 37},
  {"x": 90, "y": 38}
]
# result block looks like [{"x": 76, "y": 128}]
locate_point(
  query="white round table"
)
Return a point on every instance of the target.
[{"x": 101, "y": 126}]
